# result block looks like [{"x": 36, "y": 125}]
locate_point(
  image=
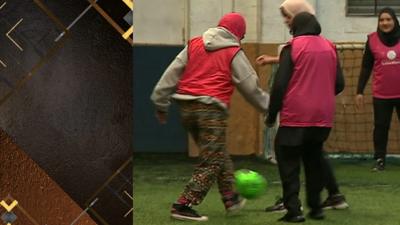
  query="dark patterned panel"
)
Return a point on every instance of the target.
[
  {"x": 30, "y": 194},
  {"x": 115, "y": 193},
  {"x": 116, "y": 13},
  {"x": 73, "y": 117},
  {"x": 25, "y": 46}
]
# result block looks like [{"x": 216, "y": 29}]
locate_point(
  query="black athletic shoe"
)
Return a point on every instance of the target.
[
  {"x": 277, "y": 207},
  {"x": 292, "y": 218},
  {"x": 379, "y": 165},
  {"x": 185, "y": 212},
  {"x": 337, "y": 201},
  {"x": 316, "y": 214}
]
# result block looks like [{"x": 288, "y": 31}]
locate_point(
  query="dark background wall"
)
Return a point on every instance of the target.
[
  {"x": 74, "y": 117},
  {"x": 149, "y": 63}
]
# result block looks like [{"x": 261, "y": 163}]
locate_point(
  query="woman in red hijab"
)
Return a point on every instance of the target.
[{"x": 201, "y": 80}]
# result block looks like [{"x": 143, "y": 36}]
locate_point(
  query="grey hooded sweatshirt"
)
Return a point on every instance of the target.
[{"x": 243, "y": 75}]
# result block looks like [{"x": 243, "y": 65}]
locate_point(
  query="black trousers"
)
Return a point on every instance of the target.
[
  {"x": 383, "y": 110},
  {"x": 296, "y": 136},
  {"x": 330, "y": 182},
  {"x": 289, "y": 161}
]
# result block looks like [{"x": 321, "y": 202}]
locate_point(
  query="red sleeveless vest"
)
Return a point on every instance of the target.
[{"x": 208, "y": 72}]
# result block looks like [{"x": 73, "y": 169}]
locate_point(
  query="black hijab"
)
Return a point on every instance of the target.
[
  {"x": 391, "y": 38},
  {"x": 305, "y": 24}
]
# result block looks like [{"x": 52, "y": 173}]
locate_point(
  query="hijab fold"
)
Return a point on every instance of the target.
[{"x": 305, "y": 24}]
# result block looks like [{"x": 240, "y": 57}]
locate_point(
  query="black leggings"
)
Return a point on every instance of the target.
[
  {"x": 330, "y": 180},
  {"x": 289, "y": 160},
  {"x": 383, "y": 110}
]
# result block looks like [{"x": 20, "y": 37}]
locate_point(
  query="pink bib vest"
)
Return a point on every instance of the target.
[
  {"x": 386, "y": 70},
  {"x": 310, "y": 98}
]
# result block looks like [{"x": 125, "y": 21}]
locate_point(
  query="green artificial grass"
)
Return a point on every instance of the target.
[{"x": 374, "y": 197}]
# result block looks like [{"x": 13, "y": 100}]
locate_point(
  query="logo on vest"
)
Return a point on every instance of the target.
[
  {"x": 391, "y": 55},
  {"x": 391, "y": 59}
]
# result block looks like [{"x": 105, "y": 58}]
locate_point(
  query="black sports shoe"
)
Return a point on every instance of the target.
[
  {"x": 316, "y": 214},
  {"x": 337, "y": 201},
  {"x": 234, "y": 204},
  {"x": 292, "y": 218},
  {"x": 277, "y": 207},
  {"x": 185, "y": 212},
  {"x": 379, "y": 165}
]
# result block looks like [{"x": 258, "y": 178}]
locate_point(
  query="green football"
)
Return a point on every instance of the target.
[{"x": 250, "y": 184}]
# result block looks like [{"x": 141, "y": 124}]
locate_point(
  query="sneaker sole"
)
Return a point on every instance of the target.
[
  {"x": 188, "y": 218},
  {"x": 343, "y": 205},
  {"x": 236, "y": 208}
]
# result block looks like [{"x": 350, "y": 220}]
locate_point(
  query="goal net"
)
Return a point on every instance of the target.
[{"x": 352, "y": 133}]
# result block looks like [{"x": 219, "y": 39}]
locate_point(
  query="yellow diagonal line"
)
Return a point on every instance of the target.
[
  {"x": 128, "y": 33},
  {"x": 129, "y": 3},
  {"x": 51, "y": 15},
  {"x": 9, "y": 207},
  {"x": 109, "y": 20}
]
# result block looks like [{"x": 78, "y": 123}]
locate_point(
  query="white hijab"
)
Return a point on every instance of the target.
[{"x": 294, "y": 7}]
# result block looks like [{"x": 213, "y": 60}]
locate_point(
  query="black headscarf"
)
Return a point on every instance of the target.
[
  {"x": 391, "y": 38},
  {"x": 305, "y": 24}
]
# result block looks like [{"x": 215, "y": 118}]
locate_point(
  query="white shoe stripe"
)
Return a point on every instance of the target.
[{"x": 182, "y": 217}]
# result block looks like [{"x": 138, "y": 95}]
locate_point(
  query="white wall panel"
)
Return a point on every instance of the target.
[
  {"x": 205, "y": 14},
  {"x": 174, "y": 21},
  {"x": 249, "y": 9},
  {"x": 158, "y": 21},
  {"x": 273, "y": 28},
  {"x": 336, "y": 26}
]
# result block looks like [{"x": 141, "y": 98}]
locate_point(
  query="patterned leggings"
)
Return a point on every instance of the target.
[{"x": 207, "y": 124}]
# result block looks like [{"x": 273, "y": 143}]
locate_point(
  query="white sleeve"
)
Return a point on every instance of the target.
[
  {"x": 246, "y": 81},
  {"x": 166, "y": 86}
]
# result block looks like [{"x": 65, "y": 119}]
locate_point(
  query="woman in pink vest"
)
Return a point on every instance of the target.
[
  {"x": 382, "y": 57},
  {"x": 201, "y": 80},
  {"x": 335, "y": 200},
  {"x": 304, "y": 89}
]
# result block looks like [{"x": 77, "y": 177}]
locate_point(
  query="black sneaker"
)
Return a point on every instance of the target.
[
  {"x": 317, "y": 214},
  {"x": 185, "y": 212},
  {"x": 234, "y": 204},
  {"x": 337, "y": 201},
  {"x": 379, "y": 165},
  {"x": 277, "y": 207},
  {"x": 292, "y": 218}
]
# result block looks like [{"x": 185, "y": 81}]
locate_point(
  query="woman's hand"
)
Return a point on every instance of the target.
[
  {"x": 359, "y": 101},
  {"x": 266, "y": 59}
]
